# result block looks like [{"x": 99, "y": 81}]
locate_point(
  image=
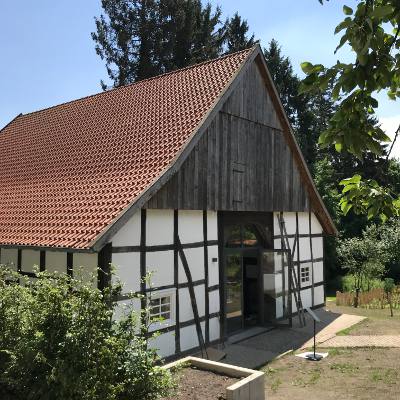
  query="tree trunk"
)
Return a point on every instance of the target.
[
  {"x": 356, "y": 299},
  {"x": 390, "y": 304}
]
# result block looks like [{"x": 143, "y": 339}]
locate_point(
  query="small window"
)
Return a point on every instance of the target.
[
  {"x": 305, "y": 274},
  {"x": 161, "y": 307}
]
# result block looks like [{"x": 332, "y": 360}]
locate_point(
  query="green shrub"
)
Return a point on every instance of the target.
[
  {"x": 348, "y": 284},
  {"x": 58, "y": 340}
]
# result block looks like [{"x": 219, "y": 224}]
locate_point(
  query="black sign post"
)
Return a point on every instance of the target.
[{"x": 314, "y": 356}]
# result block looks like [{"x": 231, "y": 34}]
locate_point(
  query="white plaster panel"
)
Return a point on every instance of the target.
[
  {"x": 305, "y": 251},
  {"x": 195, "y": 260},
  {"x": 56, "y": 261},
  {"x": 290, "y": 222},
  {"x": 304, "y": 227},
  {"x": 9, "y": 257},
  {"x": 275, "y": 224},
  {"x": 319, "y": 296},
  {"x": 190, "y": 226},
  {"x": 278, "y": 243},
  {"x": 185, "y": 308},
  {"x": 315, "y": 225},
  {"x": 159, "y": 227},
  {"x": 213, "y": 266},
  {"x": 212, "y": 225},
  {"x": 318, "y": 272},
  {"x": 214, "y": 328},
  {"x": 29, "y": 259},
  {"x": 291, "y": 241},
  {"x": 127, "y": 269},
  {"x": 161, "y": 264},
  {"x": 164, "y": 344},
  {"x": 318, "y": 247},
  {"x": 214, "y": 301},
  {"x": 129, "y": 234},
  {"x": 279, "y": 307},
  {"x": 189, "y": 339},
  {"x": 306, "y": 298},
  {"x": 85, "y": 266},
  {"x": 125, "y": 307}
]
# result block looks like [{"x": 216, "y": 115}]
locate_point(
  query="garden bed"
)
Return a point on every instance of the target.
[
  {"x": 209, "y": 380},
  {"x": 194, "y": 383}
]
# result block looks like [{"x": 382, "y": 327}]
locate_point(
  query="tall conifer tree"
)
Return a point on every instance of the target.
[
  {"x": 142, "y": 38},
  {"x": 236, "y": 35}
]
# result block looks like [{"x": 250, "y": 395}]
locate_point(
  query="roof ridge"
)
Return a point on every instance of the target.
[{"x": 136, "y": 83}]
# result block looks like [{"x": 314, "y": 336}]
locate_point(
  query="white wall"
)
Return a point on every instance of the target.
[
  {"x": 85, "y": 266},
  {"x": 304, "y": 247},
  {"x": 55, "y": 261},
  {"x": 29, "y": 259},
  {"x": 159, "y": 232},
  {"x": 9, "y": 257}
]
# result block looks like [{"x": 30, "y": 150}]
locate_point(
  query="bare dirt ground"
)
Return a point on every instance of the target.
[
  {"x": 345, "y": 374},
  {"x": 362, "y": 373},
  {"x": 195, "y": 384}
]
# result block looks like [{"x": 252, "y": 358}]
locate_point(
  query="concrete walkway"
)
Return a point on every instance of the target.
[
  {"x": 256, "y": 351},
  {"x": 344, "y": 321},
  {"x": 363, "y": 341}
]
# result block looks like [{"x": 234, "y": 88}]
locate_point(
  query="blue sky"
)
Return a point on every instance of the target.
[{"x": 48, "y": 55}]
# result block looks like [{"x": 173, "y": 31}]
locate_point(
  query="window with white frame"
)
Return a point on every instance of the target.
[
  {"x": 161, "y": 306},
  {"x": 305, "y": 274}
]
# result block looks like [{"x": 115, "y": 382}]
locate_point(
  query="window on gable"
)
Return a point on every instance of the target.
[{"x": 305, "y": 274}]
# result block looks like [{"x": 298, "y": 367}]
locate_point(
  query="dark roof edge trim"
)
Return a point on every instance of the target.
[{"x": 46, "y": 248}]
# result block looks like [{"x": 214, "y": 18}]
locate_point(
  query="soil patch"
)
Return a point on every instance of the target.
[
  {"x": 197, "y": 384},
  {"x": 345, "y": 374}
]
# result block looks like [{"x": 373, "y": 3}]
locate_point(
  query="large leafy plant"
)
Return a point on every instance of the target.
[
  {"x": 372, "y": 32},
  {"x": 59, "y": 340}
]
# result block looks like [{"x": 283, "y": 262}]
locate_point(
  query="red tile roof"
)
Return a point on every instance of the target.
[{"x": 68, "y": 171}]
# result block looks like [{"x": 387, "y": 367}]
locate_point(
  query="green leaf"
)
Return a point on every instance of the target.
[
  {"x": 343, "y": 25},
  {"x": 382, "y": 11},
  {"x": 346, "y": 207},
  {"x": 307, "y": 67},
  {"x": 353, "y": 179},
  {"x": 347, "y": 10}
]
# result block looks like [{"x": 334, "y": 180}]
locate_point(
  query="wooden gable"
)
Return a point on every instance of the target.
[{"x": 242, "y": 161}]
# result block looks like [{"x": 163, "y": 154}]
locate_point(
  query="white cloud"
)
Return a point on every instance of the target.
[{"x": 389, "y": 126}]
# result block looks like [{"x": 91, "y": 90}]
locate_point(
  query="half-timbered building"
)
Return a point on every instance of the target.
[{"x": 195, "y": 176}]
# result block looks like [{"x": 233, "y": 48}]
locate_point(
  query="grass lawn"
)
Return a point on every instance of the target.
[
  {"x": 363, "y": 373},
  {"x": 378, "y": 322}
]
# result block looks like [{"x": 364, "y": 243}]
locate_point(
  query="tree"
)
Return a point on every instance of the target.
[
  {"x": 372, "y": 32},
  {"x": 388, "y": 287},
  {"x": 309, "y": 115},
  {"x": 141, "y": 39},
  {"x": 236, "y": 35},
  {"x": 125, "y": 39},
  {"x": 363, "y": 258}
]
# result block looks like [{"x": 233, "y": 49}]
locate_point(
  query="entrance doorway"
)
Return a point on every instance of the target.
[
  {"x": 245, "y": 235},
  {"x": 242, "y": 274}
]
